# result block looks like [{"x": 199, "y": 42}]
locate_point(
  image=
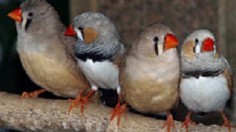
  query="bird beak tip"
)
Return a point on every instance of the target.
[
  {"x": 171, "y": 41},
  {"x": 16, "y": 15},
  {"x": 70, "y": 31}
]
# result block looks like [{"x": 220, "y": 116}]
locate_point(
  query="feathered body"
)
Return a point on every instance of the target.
[
  {"x": 206, "y": 77},
  {"x": 98, "y": 59},
  {"x": 46, "y": 54},
  {"x": 149, "y": 74},
  {"x": 205, "y": 84}
]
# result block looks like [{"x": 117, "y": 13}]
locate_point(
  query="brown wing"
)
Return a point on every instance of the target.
[{"x": 229, "y": 75}]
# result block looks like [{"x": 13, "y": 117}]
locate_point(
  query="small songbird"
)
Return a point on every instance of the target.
[
  {"x": 149, "y": 74},
  {"x": 99, "y": 52},
  {"x": 45, "y": 53},
  {"x": 206, "y": 77}
]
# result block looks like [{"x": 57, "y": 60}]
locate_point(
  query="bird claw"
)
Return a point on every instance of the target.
[
  {"x": 81, "y": 101},
  {"x": 188, "y": 121},
  {"x": 228, "y": 125},
  {"x": 33, "y": 94},
  {"x": 117, "y": 112},
  {"x": 169, "y": 122},
  {"x": 226, "y": 122}
]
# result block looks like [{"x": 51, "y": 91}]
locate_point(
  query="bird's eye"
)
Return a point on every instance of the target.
[
  {"x": 156, "y": 39},
  {"x": 30, "y": 14},
  {"x": 196, "y": 41},
  {"x": 80, "y": 28}
]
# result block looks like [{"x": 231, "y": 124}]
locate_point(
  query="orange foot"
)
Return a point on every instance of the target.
[
  {"x": 169, "y": 122},
  {"x": 188, "y": 121},
  {"x": 226, "y": 121},
  {"x": 80, "y": 100},
  {"x": 33, "y": 94},
  {"x": 118, "y": 111}
]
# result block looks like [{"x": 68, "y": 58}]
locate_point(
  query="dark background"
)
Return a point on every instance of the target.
[{"x": 130, "y": 17}]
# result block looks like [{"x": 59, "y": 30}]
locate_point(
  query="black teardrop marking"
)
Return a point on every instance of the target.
[
  {"x": 82, "y": 31},
  {"x": 156, "y": 39},
  {"x": 156, "y": 48},
  {"x": 28, "y": 21},
  {"x": 196, "y": 42}
]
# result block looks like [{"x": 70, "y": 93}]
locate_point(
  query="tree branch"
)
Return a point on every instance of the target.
[{"x": 51, "y": 115}]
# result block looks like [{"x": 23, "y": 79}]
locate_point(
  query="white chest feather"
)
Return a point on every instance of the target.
[
  {"x": 101, "y": 74},
  {"x": 204, "y": 94}
]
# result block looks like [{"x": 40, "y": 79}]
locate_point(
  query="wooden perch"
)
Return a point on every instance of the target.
[{"x": 51, "y": 115}]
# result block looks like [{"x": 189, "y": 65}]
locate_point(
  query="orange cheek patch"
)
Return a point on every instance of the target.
[
  {"x": 90, "y": 35},
  {"x": 187, "y": 49}
]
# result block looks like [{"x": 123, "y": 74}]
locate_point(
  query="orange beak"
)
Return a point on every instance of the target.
[
  {"x": 16, "y": 15},
  {"x": 70, "y": 31},
  {"x": 170, "y": 41}
]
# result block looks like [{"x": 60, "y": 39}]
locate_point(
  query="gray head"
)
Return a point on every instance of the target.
[
  {"x": 199, "y": 52},
  {"x": 93, "y": 22},
  {"x": 204, "y": 41},
  {"x": 97, "y": 36},
  {"x": 37, "y": 17},
  {"x": 155, "y": 40}
]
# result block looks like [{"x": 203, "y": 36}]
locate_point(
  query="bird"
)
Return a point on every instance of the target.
[
  {"x": 206, "y": 76},
  {"x": 150, "y": 72},
  {"x": 99, "y": 52},
  {"x": 46, "y": 54}
]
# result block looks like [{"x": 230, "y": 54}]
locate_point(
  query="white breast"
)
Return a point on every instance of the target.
[
  {"x": 204, "y": 94},
  {"x": 101, "y": 74}
]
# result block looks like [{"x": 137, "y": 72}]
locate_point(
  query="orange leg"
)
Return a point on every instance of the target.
[
  {"x": 118, "y": 111},
  {"x": 226, "y": 121},
  {"x": 169, "y": 122},
  {"x": 188, "y": 121},
  {"x": 80, "y": 100},
  {"x": 32, "y": 94}
]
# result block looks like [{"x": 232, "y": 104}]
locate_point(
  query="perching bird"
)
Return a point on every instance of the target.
[
  {"x": 149, "y": 75},
  {"x": 45, "y": 53},
  {"x": 98, "y": 51},
  {"x": 206, "y": 77}
]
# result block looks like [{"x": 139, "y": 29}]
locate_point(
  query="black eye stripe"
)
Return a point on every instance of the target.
[
  {"x": 156, "y": 39},
  {"x": 28, "y": 22},
  {"x": 81, "y": 30},
  {"x": 194, "y": 49},
  {"x": 196, "y": 42}
]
